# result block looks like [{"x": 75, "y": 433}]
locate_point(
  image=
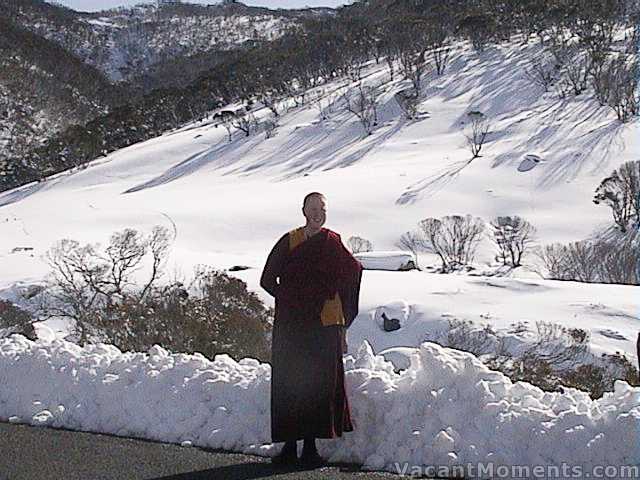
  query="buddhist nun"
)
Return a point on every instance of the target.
[{"x": 316, "y": 285}]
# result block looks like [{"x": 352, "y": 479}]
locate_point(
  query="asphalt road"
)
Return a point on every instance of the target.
[{"x": 39, "y": 453}]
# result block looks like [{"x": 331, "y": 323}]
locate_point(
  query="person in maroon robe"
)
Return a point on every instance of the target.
[{"x": 316, "y": 284}]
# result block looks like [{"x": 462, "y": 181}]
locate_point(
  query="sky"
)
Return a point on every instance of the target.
[{"x": 97, "y": 5}]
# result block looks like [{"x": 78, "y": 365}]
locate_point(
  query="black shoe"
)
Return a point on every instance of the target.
[
  {"x": 311, "y": 459},
  {"x": 285, "y": 457}
]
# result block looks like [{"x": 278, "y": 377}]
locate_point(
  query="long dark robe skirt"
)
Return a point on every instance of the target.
[{"x": 307, "y": 391}]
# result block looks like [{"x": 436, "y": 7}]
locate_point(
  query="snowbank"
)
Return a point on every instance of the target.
[{"x": 445, "y": 409}]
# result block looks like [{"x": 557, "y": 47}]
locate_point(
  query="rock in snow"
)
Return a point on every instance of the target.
[
  {"x": 529, "y": 162},
  {"x": 392, "y": 316},
  {"x": 445, "y": 409}
]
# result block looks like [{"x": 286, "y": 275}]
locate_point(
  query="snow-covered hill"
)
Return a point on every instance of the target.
[{"x": 230, "y": 201}]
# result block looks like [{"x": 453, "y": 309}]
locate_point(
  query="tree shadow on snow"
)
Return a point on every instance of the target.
[
  {"x": 20, "y": 193},
  {"x": 432, "y": 184},
  {"x": 335, "y": 143},
  {"x": 197, "y": 162}
]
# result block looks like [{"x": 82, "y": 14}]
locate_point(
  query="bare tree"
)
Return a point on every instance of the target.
[
  {"x": 158, "y": 244},
  {"x": 621, "y": 192},
  {"x": 597, "y": 260},
  {"x": 388, "y": 45},
  {"x": 453, "y": 238},
  {"x": 270, "y": 126},
  {"x": 408, "y": 102},
  {"x": 582, "y": 263},
  {"x": 407, "y": 39},
  {"x": 623, "y": 95},
  {"x": 323, "y": 102},
  {"x": 513, "y": 236},
  {"x": 440, "y": 49},
  {"x": 354, "y": 71},
  {"x": 414, "y": 241},
  {"x": 577, "y": 73},
  {"x": 225, "y": 119},
  {"x": 245, "y": 123},
  {"x": 358, "y": 244},
  {"x": 271, "y": 100},
  {"x": 541, "y": 74},
  {"x": 479, "y": 28},
  {"x": 390, "y": 59},
  {"x": 476, "y": 132},
  {"x": 602, "y": 81},
  {"x": 414, "y": 67},
  {"x": 362, "y": 101}
]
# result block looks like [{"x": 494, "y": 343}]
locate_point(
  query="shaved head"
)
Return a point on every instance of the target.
[
  {"x": 314, "y": 209},
  {"x": 310, "y": 196}
]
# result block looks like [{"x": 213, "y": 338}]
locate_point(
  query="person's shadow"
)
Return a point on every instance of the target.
[{"x": 251, "y": 470}]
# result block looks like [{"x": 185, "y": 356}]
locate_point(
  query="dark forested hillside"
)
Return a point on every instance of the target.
[{"x": 44, "y": 89}]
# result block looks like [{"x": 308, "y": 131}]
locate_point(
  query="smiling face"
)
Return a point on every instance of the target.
[{"x": 315, "y": 211}]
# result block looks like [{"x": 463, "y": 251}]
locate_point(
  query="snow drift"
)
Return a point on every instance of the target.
[
  {"x": 391, "y": 260},
  {"x": 446, "y": 409}
]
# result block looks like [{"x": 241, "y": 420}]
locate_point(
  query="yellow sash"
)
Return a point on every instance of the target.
[{"x": 332, "y": 309}]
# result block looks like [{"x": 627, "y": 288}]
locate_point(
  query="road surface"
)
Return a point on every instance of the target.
[{"x": 39, "y": 453}]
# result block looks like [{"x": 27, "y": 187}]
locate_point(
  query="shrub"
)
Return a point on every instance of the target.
[
  {"x": 94, "y": 288},
  {"x": 16, "y": 320},
  {"x": 463, "y": 336},
  {"x": 216, "y": 314},
  {"x": 559, "y": 359},
  {"x": 606, "y": 261}
]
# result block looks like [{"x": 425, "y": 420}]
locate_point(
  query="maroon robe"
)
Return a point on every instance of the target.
[{"x": 308, "y": 397}]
